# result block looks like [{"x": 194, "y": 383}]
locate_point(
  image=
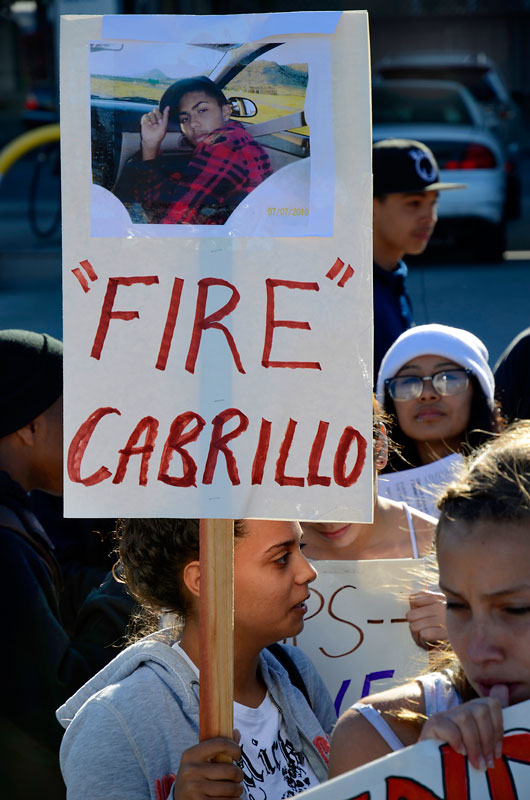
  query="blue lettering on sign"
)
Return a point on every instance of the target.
[
  {"x": 340, "y": 695},
  {"x": 370, "y": 678},
  {"x": 375, "y": 676}
]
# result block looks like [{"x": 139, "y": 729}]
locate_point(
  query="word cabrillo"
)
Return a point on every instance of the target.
[
  {"x": 186, "y": 429},
  {"x": 231, "y": 423}
]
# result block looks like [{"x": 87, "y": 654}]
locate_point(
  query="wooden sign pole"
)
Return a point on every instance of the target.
[{"x": 216, "y": 629}]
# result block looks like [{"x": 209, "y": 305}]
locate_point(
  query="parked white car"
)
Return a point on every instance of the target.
[
  {"x": 445, "y": 116},
  {"x": 480, "y": 76}
]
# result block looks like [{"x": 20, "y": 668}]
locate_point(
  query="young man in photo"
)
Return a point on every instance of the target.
[
  {"x": 225, "y": 166},
  {"x": 406, "y": 186}
]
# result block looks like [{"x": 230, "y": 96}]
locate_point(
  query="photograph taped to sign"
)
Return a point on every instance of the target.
[
  {"x": 433, "y": 771},
  {"x": 211, "y": 139},
  {"x": 220, "y": 376}
]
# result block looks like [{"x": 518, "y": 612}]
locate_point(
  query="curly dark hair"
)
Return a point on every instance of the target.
[
  {"x": 152, "y": 556},
  {"x": 483, "y": 421}
]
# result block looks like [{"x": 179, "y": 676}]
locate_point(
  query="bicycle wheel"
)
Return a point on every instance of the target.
[{"x": 44, "y": 207}]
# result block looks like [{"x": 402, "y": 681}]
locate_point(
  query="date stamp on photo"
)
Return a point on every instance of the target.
[{"x": 288, "y": 212}]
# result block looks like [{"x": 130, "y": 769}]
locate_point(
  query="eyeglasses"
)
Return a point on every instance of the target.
[{"x": 446, "y": 382}]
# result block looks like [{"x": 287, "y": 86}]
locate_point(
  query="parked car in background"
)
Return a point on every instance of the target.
[
  {"x": 479, "y": 74},
  {"x": 445, "y": 116},
  {"x": 482, "y": 77}
]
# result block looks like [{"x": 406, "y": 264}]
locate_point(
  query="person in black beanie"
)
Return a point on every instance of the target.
[
  {"x": 406, "y": 186},
  {"x": 43, "y": 664}
]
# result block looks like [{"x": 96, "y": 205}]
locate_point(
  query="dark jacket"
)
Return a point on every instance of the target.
[
  {"x": 512, "y": 381},
  {"x": 392, "y": 310},
  {"x": 43, "y": 665}
]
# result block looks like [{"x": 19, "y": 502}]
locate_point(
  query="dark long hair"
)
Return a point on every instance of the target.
[
  {"x": 152, "y": 556},
  {"x": 483, "y": 421}
]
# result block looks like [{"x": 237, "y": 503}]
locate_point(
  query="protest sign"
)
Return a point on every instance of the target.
[
  {"x": 355, "y": 631},
  {"x": 433, "y": 771},
  {"x": 219, "y": 370},
  {"x": 422, "y": 486}
]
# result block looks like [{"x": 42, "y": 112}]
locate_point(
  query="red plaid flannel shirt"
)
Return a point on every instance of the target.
[{"x": 222, "y": 171}]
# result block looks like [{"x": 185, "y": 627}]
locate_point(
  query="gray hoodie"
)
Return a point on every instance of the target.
[{"x": 126, "y": 729}]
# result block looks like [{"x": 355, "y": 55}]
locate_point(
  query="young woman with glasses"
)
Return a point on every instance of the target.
[{"x": 435, "y": 383}]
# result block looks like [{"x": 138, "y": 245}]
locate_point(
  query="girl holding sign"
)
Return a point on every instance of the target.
[
  {"x": 483, "y": 545},
  {"x": 397, "y": 531},
  {"x": 435, "y": 382},
  {"x": 133, "y": 730}
]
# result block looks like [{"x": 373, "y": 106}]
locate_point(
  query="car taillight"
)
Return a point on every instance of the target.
[
  {"x": 31, "y": 102},
  {"x": 475, "y": 156}
]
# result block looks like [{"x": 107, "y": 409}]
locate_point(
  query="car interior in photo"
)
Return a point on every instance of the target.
[{"x": 267, "y": 98}]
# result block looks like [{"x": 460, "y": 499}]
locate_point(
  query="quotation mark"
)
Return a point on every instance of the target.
[
  {"x": 89, "y": 269},
  {"x": 336, "y": 269}
]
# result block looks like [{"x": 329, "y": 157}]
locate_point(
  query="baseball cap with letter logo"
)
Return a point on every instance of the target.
[{"x": 404, "y": 165}]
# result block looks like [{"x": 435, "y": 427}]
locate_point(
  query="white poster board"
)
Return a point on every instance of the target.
[
  {"x": 355, "y": 631},
  {"x": 421, "y": 487},
  {"x": 219, "y": 370},
  {"x": 433, "y": 771}
]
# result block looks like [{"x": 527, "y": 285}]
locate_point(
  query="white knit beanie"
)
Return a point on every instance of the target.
[{"x": 460, "y": 346}]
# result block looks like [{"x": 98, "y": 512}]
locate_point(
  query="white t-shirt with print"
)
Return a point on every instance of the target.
[
  {"x": 271, "y": 767},
  {"x": 270, "y": 764}
]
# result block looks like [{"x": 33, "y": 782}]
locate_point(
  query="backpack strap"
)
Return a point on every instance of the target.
[{"x": 281, "y": 655}]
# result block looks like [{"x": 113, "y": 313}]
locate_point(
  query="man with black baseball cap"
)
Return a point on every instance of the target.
[
  {"x": 43, "y": 663},
  {"x": 406, "y": 186}
]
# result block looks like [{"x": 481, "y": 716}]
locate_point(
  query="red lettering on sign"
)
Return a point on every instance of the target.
[
  {"x": 280, "y": 476},
  {"x": 181, "y": 434},
  {"x": 320, "y": 607},
  {"x": 340, "y": 619},
  {"x": 175, "y": 442},
  {"x": 313, "y": 478},
  {"x": 108, "y": 303},
  {"x": 271, "y": 323},
  {"x": 260, "y": 457},
  {"x": 515, "y": 747},
  {"x": 149, "y": 426},
  {"x": 201, "y": 322},
  {"x": 455, "y": 780},
  {"x": 79, "y": 444},
  {"x": 341, "y": 454},
  {"x": 219, "y": 442},
  {"x": 169, "y": 328}
]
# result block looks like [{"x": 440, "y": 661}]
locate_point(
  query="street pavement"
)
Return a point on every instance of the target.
[{"x": 491, "y": 300}]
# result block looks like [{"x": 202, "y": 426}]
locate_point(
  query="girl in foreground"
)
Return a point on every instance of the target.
[
  {"x": 133, "y": 730},
  {"x": 483, "y": 545}
]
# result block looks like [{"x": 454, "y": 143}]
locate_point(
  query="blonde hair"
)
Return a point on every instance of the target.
[{"x": 495, "y": 483}]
